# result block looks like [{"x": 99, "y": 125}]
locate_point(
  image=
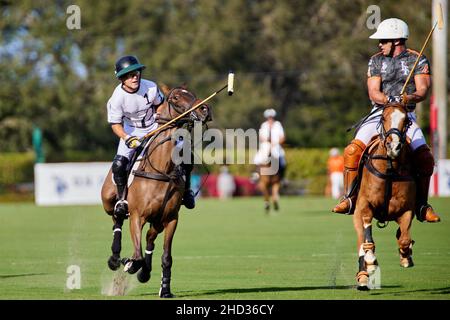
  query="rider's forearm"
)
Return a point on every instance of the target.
[
  {"x": 378, "y": 97},
  {"x": 117, "y": 128},
  {"x": 418, "y": 96}
]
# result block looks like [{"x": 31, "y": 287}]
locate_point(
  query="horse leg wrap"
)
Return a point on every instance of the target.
[
  {"x": 116, "y": 246},
  {"x": 362, "y": 278},
  {"x": 164, "y": 291},
  {"x": 144, "y": 274},
  {"x": 148, "y": 259}
]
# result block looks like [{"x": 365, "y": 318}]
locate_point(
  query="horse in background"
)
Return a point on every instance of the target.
[
  {"x": 387, "y": 191},
  {"x": 155, "y": 194},
  {"x": 269, "y": 176}
]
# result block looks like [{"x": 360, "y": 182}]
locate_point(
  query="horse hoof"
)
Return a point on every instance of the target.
[
  {"x": 362, "y": 287},
  {"x": 132, "y": 266},
  {"x": 143, "y": 276},
  {"x": 166, "y": 295},
  {"x": 363, "y": 281},
  {"x": 406, "y": 262},
  {"x": 113, "y": 263},
  {"x": 276, "y": 206}
]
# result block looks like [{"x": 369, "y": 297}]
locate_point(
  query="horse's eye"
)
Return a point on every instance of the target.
[{"x": 175, "y": 97}]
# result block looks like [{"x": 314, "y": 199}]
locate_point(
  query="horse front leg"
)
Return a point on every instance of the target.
[
  {"x": 135, "y": 263},
  {"x": 144, "y": 274},
  {"x": 404, "y": 239},
  {"x": 116, "y": 247},
  {"x": 367, "y": 261},
  {"x": 166, "y": 259}
]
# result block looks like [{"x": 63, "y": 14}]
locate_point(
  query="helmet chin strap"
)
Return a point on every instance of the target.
[{"x": 391, "y": 52}]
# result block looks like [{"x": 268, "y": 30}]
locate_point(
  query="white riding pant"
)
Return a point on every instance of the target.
[
  {"x": 122, "y": 149},
  {"x": 337, "y": 184},
  {"x": 369, "y": 129}
]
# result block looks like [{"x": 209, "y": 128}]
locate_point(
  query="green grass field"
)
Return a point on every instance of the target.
[{"x": 222, "y": 250}]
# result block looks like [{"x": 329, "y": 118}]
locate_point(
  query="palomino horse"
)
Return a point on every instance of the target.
[
  {"x": 156, "y": 193},
  {"x": 387, "y": 191}
]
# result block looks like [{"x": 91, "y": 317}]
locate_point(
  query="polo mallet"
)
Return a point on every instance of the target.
[
  {"x": 440, "y": 24},
  {"x": 229, "y": 85}
]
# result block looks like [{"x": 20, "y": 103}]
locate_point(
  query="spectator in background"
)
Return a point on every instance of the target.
[
  {"x": 225, "y": 183},
  {"x": 335, "y": 166}
]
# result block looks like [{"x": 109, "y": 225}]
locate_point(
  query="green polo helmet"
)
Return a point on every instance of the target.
[{"x": 127, "y": 64}]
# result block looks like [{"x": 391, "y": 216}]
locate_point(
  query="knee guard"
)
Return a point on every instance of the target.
[
  {"x": 119, "y": 169},
  {"x": 352, "y": 154},
  {"x": 423, "y": 161}
]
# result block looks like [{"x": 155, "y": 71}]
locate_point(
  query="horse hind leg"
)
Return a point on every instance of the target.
[
  {"x": 276, "y": 196},
  {"x": 166, "y": 260},
  {"x": 116, "y": 247},
  {"x": 145, "y": 272}
]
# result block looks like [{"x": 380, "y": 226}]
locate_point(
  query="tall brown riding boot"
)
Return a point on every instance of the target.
[
  {"x": 424, "y": 165},
  {"x": 425, "y": 212},
  {"x": 352, "y": 155}
]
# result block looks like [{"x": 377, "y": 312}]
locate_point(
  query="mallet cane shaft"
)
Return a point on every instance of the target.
[
  {"x": 440, "y": 23},
  {"x": 230, "y": 92}
]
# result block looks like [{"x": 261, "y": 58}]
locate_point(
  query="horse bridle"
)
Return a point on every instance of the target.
[
  {"x": 394, "y": 131},
  {"x": 178, "y": 109}
]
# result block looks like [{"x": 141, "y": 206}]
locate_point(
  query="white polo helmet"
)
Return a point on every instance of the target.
[
  {"x": 270, "y": 113},
  {"x": 334, "y": 152},
  {"x": 392, "y": 28}
]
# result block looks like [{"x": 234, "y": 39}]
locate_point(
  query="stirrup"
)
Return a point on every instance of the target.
[
  {"x": 121, "y": 209},
  {"x": 350, "y": 209}
]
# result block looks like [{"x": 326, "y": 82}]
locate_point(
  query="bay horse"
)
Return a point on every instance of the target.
[
  {"x": 387, "y": 191},
  {"x": 269, "y": 180},
  {"x": 155, "y": 194}
]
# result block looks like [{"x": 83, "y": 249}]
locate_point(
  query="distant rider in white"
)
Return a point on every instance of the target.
[
  {"x": 271, "y": 138},
  {"x": 131, "y": 113}
]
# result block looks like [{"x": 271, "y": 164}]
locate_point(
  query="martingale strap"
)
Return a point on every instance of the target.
[
  {"x": 154, "y": 176},
  {"x": 392, "y": 175}
]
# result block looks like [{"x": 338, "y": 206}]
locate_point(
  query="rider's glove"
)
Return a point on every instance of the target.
[
  {"x": 132, "y": 142},
  {"x": 397, "y": 99},
  {"x": 394, "y": 99}
]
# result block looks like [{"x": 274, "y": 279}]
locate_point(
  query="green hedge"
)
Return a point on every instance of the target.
[
  {"x": 307, "y": 165},
  {"x": 16, "y": 168}
]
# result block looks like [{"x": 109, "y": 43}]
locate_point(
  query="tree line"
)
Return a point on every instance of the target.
[{"x": 306, "y": 59}]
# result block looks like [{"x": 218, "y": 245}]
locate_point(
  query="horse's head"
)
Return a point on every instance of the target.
[
  {"x": 394, "y": 124},
  {"x": 180, "y": 100}
]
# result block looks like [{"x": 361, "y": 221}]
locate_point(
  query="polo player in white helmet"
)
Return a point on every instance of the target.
[
  {"x": 271, "y": 137},
  {"x": 386, "y": 75}
]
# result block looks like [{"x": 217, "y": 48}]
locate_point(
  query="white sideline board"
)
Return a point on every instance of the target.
[
  {"x": 69, "y": 183},
  {"x": 444, "y": 177}
]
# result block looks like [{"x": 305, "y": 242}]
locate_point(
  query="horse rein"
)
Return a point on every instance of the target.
[
  {"x": 178, "y": 109},
  {"x": 154, "y": 144}
]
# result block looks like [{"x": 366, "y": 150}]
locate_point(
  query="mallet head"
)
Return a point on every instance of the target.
[{"x": 230, "y": 83}]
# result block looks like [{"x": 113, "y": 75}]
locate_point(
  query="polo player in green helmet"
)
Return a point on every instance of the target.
[{"x": 132, "y": 114}]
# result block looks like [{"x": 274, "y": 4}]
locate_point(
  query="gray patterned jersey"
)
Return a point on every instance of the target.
[{"x": 394, "y": 71}]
